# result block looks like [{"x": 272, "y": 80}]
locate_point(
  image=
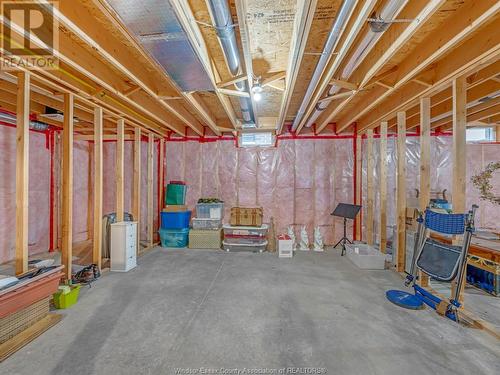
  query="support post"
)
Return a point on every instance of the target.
[
  {"x": 383, "y": 187},
  {"x": 459, "y": 142},
  {"x": 459, "y": 127},
  {"x": 22, "y": 171},
  {"x": 370, "y": 192},
  {"x": 425, "y": 168},
  {"x": 120, "y": 149},
  {"x": 67, "y": 185},
  {"x": 97, "y": 242},
  {"x": 150, "y": 190},
  {"x": 136, "y": 198},
  {"x": 161, "y": 173},
  {"x": 401, "y": 192},
  {"x": 358, "y": 191}
]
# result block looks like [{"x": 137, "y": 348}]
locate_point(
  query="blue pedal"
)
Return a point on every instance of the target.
[{"x": 404, "y": 299}]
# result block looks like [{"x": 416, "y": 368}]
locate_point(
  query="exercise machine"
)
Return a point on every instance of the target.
[{"x": 442, "y": 262}]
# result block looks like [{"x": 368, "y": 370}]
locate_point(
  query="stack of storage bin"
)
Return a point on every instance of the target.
[
  {"x": 206, "y": 232},
  {"x": 175, "y": 216},
  {"x": 245, "y": 238}
]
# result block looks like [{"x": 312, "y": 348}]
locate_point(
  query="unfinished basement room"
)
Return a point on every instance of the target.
[{"x": 250, "y": 187}]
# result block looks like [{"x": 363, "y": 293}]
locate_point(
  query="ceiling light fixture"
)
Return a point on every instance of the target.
[{"x": 257, "y": 90}]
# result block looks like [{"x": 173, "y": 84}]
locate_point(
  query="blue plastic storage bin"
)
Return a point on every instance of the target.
[
  {"x": 175, "y": 220},
  {"x": 174, "y": 237}
]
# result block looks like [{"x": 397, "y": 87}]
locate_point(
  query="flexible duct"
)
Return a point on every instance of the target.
[
  {"x": 34, "y": 125},
  {"x": 342, "y": 17},
  {"x": 223, "y": 22},
  {"x": 390, "y": 10}
]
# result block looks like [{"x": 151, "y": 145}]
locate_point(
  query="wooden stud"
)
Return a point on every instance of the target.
[
  {"x": 22, "y": 171},
  {"x": 425, "y": 152},
  {"x": 120, "y": 183},
  {"x": 458, "y": 151},
  {"x": 358, "y": 192},
  {"x": 401, "y": 192},
  {"x": 98, "y": 184},
  {"x": 161, "y": 172},
  {"x": 67, "y": 186},
  {"x": 383, "y": 187},
  {"x": 425, "y": 160},
  {"x": 370, "y": 199},
  {"x": 150, "y": 190},
  {"x": 459, "y": 89},
  {"x": 136, "y": 197}
]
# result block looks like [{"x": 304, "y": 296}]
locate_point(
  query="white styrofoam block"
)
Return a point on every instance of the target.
[
  {"x": 365, "y": 256},
  {"x": 285, "y": 248}
]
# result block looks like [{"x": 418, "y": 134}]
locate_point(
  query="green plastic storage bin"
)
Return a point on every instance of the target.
[
  {"x": 64, "y": 301},
  {"x": 175, "y": 194}
]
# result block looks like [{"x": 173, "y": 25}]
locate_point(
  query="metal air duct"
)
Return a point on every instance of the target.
[
  {"x": 223, "y": 21},
  {"x": 34, "y": 125},
  {"x": 391, "y": 9},
  {"x": 340, "y": 20}
]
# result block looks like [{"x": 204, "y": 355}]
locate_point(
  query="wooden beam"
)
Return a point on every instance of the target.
[
  {"x": 150, "y": 190},
  {"x": 136, "y": 197},
  {"x": 358, "y": 192},
  {"x": 239, "y": 94},
  {"x": 425, "y": 153},
  {"x": 341, "y": 95},
  {"x": 98, "y": 185},
  {"x": 383, "y": 187},
  {"x": 457, "y": 52},
  {"x": 197, "y": 102},
  {"x": 22, "y": 171},
  {"x": 161, "y": 173},
  {"x": 232, "y": 81},
  {"x": 344, "y": 84},
  {"x": 370, "y": 191},
  {"x": 345, "y": 44},
  {"x": 401, "y": 193},
  {"x": 301, "y": 28},
  {"x": 105, "y": 137},
  {"x": 458, "y": 150},
  {"x": 67, "y": 186},
  {"x": 120, "y": 183},
  {"x": 425, "y": 165},
  {"x": 132, "y": 90},
  {"x": 273, "y": 78}
]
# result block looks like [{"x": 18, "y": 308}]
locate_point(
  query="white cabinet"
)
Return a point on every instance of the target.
[{"x": 123, "y": 246}]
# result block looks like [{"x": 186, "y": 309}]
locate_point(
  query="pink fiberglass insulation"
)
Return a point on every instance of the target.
[
  {"x": 81, "y": 194},
  {"x": 294, "y": 182},
  {"x": 227, "y": 167},
  {"x": 109, "y": 178},
  {"x": 247, "y": 177},
  {"x": 39, "y": 187},
  {"x": 209, "y": 175},
  {"x": 488, "y": 213},
  {"x": 144, "y": 192}
]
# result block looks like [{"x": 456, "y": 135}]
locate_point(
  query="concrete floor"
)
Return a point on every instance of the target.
[{"x": 193, "y": 308}]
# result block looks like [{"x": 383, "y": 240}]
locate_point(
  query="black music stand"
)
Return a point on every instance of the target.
[{"x": 347, "y": 211}]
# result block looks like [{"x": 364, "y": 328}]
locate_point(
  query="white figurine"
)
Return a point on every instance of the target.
[
  {"x": 292, "y": 236},
  {"x": 318, "y": 240},
  {"x": 304, "y": 240}
]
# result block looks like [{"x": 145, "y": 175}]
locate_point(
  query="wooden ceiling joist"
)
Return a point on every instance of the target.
[{"x": 468, "y": 56}]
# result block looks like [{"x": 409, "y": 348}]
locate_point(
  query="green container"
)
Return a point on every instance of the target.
[
  {"x": 175, "y": 194},
  {"x": 63, "y": 301}
]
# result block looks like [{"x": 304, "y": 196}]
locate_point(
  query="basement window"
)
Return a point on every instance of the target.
[
  {"x": 261, "y": 139},
  {"x": 476, "y": 134}
]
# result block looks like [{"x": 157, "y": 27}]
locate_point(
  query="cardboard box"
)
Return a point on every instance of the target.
[
  {"x": 175, "y": 208},
  {"x": 251, "y": 217}
]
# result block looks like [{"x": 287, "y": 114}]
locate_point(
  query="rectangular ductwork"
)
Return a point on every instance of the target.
[{"x": 157, "y": 28}]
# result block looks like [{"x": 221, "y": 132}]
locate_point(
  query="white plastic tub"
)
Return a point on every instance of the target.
[{"x": 365, "y": 256}]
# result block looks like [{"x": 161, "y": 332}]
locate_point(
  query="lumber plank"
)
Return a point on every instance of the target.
[
  {"x": 150, "y": 190},
  {"x": 98, "y": 184},
  {"x": 67, "y": 185},
  {"x": 22, "y": 171},
  {"x": 136, "y": 197},
  {"x": 370, "y": 191},
  {"x": 401, "y": 192},
  {"x": 120, "y": 183},
  {"x": 383, "y": 187}
]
